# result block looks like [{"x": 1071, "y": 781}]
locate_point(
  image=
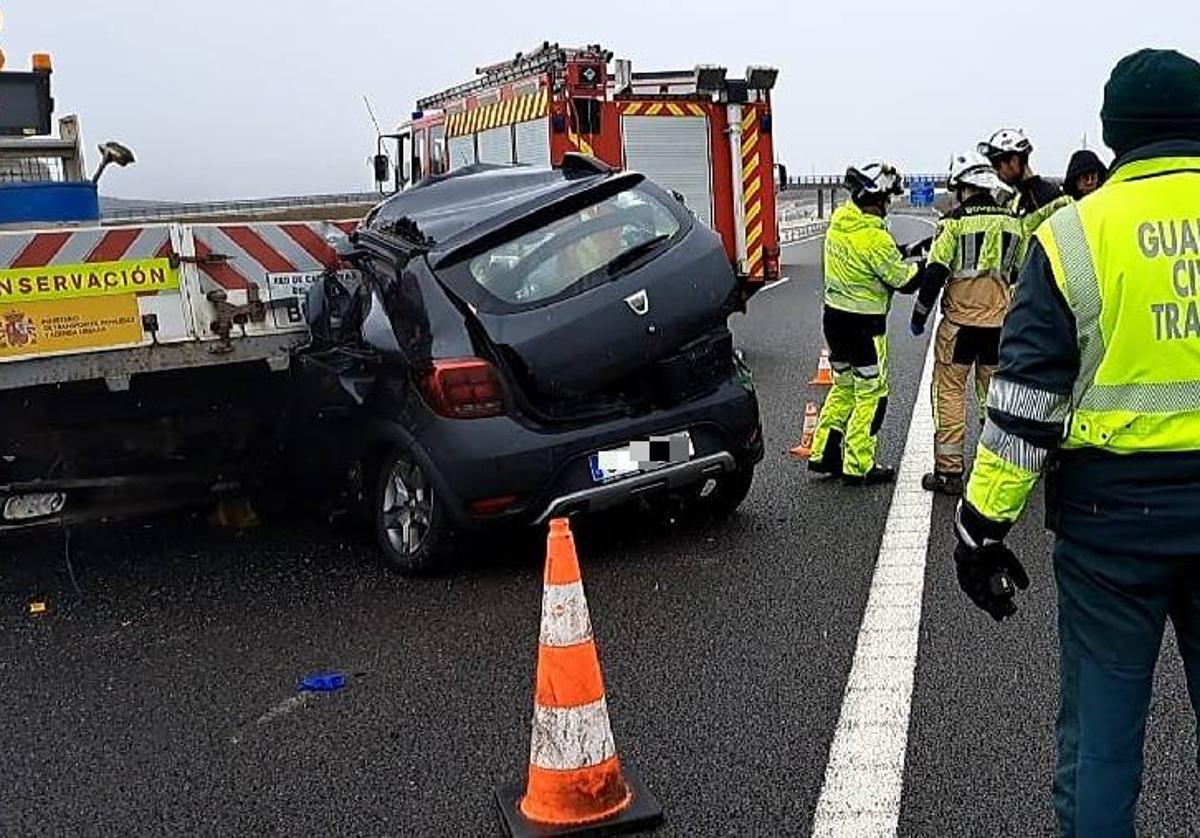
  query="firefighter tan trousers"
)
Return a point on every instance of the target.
[
  {"x": 854, "y": 409},
  {"x": 959, "y": 349}
]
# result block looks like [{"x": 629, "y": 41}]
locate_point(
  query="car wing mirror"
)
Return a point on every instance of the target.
[{"x": 329, "y": 306}]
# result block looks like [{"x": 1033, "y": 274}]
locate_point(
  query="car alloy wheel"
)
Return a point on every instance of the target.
[{"x": 408, "y": 519}]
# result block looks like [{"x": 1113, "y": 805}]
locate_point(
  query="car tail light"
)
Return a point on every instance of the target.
[
  {"x": 464, "y": 388},
  {"x": 771, "y": 263},
  {"x": 492, "y": 506}
]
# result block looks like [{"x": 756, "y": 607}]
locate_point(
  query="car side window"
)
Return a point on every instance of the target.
[{"x": 544, "y": 264}]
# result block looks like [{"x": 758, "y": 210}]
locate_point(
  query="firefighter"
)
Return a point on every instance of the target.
[
  {"x": 975, "y": 257},
  {"x": 1035, "y": 198},
  {"x": 863, "y": 268},
  {"x": 1099, "y": 383}
]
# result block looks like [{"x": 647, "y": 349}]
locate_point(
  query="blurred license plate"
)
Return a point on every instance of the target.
[{"x": 641, "y": 455}]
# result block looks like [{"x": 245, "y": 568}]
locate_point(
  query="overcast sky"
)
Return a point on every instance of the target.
[{"x": 223, "y": 99}]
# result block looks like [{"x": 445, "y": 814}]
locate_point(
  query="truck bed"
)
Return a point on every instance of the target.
[{"x": 111, "y": 303}]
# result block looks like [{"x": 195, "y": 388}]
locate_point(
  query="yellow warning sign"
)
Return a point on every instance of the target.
[
  {"x": 51, "y": 326},
  {"x": 97, "y": 279}
]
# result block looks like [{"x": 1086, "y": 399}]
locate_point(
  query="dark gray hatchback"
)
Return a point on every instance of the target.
[{"x": 524, "y": 343}]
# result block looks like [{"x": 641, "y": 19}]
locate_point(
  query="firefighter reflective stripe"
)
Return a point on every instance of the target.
[
  {"x": 1027, "y": 402},
  {"x": 1070, "y": 255},
  {"x": 752, "y": 196},
  {"x": 1012, "y": 449},
  {"x": 661, "y": 109},
  {"x": 509, "y": 112}
]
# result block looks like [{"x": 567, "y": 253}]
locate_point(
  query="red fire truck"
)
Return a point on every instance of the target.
[{"x": 703, "y": 135}]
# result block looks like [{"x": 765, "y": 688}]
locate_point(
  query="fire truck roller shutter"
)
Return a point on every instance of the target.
[
  {"x": 462, "y": 150},
  {"x": 673, "y": 151},
  {"x": 533, "y": 142},
  {"x": 495, "y": 145}
]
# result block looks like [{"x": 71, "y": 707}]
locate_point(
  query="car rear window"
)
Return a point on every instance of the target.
[{"x": 591, "y": 243}]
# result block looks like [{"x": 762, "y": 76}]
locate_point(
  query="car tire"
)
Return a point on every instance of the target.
[
  {"x": 725, "y": 495},
  {"x": 409, "y": 518}
]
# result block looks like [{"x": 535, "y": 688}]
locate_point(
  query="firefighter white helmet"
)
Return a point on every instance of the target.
[
  {"x": 1004, "y": 142},
  {"x": 970, "y": 168},
  {"x": 874, "y": 178}
]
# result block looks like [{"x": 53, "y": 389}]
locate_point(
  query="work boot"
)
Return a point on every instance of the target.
[
  {"x": 943, "y": 483},
  {"x": 876, "y": 476},
  {"x": 833, "y": 467},
  {"x": 830, "y": 461}
]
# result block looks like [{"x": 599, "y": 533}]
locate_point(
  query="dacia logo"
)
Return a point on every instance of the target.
[{"x": 639, "y": 303}]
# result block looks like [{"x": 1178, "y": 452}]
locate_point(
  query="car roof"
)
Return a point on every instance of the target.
[{"x": 444, "y": 214}]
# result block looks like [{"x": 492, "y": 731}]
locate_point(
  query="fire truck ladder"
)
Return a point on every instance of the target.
[{"x": 546, "y": 58}]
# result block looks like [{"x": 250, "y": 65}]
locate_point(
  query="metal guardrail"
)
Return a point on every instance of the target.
[
  {"x": 249, "y": 206},
  {"x": 792, "y": 233},
  {"x": 838, "y": 181}
]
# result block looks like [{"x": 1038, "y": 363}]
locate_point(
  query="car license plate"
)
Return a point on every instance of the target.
[{"x": 641, "y": 456}]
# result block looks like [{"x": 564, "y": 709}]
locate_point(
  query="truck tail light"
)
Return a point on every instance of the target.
[{"x": 463, "y": 388}]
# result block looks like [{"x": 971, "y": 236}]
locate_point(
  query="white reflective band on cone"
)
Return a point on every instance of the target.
[
  {"x": 566, "y": 738},
  {"x": 565, "y": 620}
]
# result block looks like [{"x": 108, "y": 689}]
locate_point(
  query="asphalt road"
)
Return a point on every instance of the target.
[{"x": 161, "y": 699}]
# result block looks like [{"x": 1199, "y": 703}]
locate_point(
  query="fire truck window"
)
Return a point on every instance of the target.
[
  {"x": 420, "y": 154},
  {"x": 438, "y": 157},
  {"x": 587, "y": 116},
  {"x": 559, "y": 259}
]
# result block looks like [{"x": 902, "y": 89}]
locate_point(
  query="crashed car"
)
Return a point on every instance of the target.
[{"x": 523, "y": 344}]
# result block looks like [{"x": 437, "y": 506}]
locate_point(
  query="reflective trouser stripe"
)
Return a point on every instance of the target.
[{"x": 869, "y": 394}]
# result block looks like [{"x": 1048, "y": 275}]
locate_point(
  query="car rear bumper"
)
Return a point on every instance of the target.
[
  {"x": 623, "y": 491},
  {"x": 548, "y": 473}
]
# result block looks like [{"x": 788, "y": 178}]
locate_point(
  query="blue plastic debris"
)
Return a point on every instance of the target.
[{"x": 322, "y": 682}]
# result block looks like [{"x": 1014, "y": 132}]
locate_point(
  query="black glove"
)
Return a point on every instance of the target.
[
  {"x": 917, "y": 248},
  {"x": 920, "y": 316},
  {"x": 988, "y": 572}
]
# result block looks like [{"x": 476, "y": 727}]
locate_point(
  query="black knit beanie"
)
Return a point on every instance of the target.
[{"x": 1151, "y": 95}]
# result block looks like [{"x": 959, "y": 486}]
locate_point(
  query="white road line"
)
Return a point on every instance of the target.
[
  {"x": 864, "y": 778},
  {"x": 783, "y": 280}
]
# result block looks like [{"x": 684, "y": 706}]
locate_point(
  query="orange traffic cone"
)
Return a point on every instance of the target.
[
  {"x": 575, "y": 784},
  {"x": 804, "y": 450},
  {"x": 824, "y": 374}
]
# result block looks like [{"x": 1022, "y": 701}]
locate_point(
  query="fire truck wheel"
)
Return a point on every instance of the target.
[
  {"x": 719, "y": 497},
  {"x": 409, "y": 520}
]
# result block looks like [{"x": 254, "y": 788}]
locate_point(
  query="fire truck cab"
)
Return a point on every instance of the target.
[{"x": 705, "y": 136}]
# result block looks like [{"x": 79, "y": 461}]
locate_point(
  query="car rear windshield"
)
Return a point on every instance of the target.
[{"x": 577, "y": 251}]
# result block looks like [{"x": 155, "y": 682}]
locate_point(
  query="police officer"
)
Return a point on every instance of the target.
[
  {"x": 975, "y": 256},
  {"x": 1035, "y": 198},
  {"x": 863, "y": 268},
  {"x": 1099, "y": 384}
]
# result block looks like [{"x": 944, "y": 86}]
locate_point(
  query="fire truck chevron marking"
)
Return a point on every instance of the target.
[
  {"x": 497, "y": 114},
  {"x": 752, "y": 193},
  {"x": 659, "y": 109}
]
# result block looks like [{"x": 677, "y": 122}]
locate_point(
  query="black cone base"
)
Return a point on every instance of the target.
[{"x": 643, "y": 814}]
